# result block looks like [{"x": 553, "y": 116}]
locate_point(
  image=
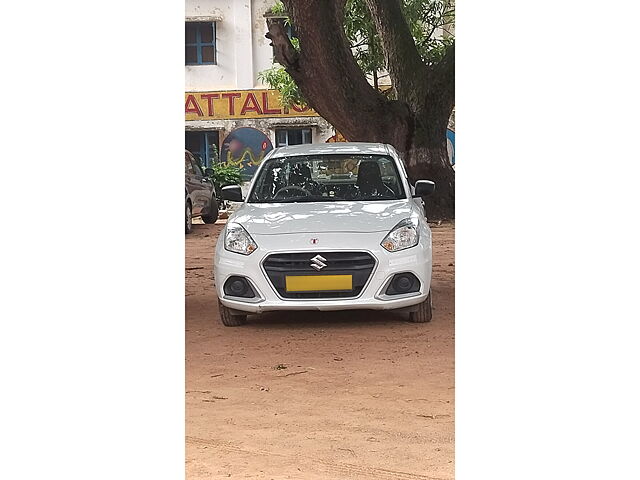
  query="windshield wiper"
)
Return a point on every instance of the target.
[
  {"x": 377, "y": 199},
  {"x": 315, "y": 198}
]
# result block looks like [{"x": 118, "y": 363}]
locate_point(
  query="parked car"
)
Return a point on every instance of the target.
[
  {"x": 199, "y": 194},
  {"x": 326, "y": 227}
]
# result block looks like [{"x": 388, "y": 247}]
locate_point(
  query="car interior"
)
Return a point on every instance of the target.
[{"x": 349, "y": 178}]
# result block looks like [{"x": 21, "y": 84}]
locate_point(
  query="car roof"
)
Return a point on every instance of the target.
[{"x": 332, "y": 148}]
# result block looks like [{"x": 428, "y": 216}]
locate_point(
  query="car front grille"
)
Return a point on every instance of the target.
[{"x": 357, "y": 264}]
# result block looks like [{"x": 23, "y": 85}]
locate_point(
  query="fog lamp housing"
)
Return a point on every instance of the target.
[
  {"x": 402, "y": 283},
  {"x": 237, "y": 286}
]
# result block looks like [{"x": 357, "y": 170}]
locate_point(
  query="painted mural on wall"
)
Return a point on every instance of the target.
[
  {"x": 451, "y": 146},
  {"x": 336, "y": 138},
  {"x": 245, "y": 147}
]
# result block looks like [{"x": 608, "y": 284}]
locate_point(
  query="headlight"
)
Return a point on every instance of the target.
[
  {"x": 236, "y": 239},
  {"x": 404, "y": 235}
]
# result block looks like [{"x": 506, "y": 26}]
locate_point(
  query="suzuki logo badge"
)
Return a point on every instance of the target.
[
  {"x": 314, "y": 241},
  {"x": 317, "y": 262}
]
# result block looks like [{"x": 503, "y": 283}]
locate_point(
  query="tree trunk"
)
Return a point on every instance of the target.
[
  {"x": 433, "y": 164},
  {"x": 328, "y": 76},
  {"x": 427, "y": 157}
]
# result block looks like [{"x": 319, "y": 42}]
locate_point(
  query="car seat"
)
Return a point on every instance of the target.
[{"x": 370, "y": 182}]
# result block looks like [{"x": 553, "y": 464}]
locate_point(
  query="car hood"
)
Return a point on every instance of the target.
[{"x": 356, "y": 217}]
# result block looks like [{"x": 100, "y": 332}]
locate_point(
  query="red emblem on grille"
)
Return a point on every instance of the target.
[{"x": 314, "y": 241}]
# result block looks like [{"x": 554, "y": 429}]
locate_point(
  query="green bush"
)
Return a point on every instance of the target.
[{"x": 224, "y": 175}]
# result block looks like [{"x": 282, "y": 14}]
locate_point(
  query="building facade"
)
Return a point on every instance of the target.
[{"x": 229, "y": 114}]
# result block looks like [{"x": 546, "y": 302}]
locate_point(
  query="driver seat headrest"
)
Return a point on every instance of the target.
[{"x": 369, "y": 175}]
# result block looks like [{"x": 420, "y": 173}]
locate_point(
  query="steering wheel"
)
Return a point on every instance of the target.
[{"x": 306, "y": 192}]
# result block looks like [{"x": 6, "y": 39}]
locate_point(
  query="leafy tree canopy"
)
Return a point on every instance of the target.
[{"x": 430, "y": 21}]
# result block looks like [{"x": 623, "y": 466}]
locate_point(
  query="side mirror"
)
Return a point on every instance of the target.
[
  {"x": 424, "y": 188},
  {"x": 233, "y": 193},
  {"x": 208, "y": 172}
]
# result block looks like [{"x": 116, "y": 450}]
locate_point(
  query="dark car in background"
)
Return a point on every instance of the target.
[{"x": 199, "y": 193}]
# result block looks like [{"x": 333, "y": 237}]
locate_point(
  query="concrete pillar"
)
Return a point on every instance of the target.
[{"x": 243, "y": 43}]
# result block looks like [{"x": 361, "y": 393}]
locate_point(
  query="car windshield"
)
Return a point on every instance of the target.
[{"x": 327, "y": 178}]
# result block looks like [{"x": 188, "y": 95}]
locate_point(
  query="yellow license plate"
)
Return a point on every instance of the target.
[{"x": 318, "y": 283}]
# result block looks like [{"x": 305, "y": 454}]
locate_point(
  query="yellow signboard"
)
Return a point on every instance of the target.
[{"x": 239, "y": 104}]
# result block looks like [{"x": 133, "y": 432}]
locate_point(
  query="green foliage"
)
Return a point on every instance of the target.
[
  {"x": 221, "y": 174},
  {"x": 426, "y": 19},
  {"x": 361, "y": 33},
  {"x": 278, "y": 9},
  {"x": 224, "y": 175},
  {"x": 213, "y": 153},
  {"x": 278, "y": 78}
]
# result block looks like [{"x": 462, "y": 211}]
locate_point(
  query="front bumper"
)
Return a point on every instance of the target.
[{"x": 416, "y": 260}]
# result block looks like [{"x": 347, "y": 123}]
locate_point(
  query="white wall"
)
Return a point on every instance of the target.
[
  {"x": 262, "y": 52},
  {"x": 242, "y": 50}
]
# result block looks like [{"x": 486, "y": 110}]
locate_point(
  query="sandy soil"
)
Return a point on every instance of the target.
[{"x": 359, "y": 395}]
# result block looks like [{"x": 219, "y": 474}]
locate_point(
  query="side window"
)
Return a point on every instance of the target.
[
  {"x": 389, "y": 175},
  {"x": 386, "y": 167},
  {"x": 200, "y": 43},
  {"x": 292, "y": 136},
  {"x": 188, "y": 166}
]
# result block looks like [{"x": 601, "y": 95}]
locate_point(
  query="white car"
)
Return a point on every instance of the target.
[{"x": 326, "y": 227}]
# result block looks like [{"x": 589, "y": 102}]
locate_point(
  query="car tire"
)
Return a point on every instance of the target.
[
  {"x": 229, "y": 319},
  {"x": 213, "y": 216},
  {"x": 188, "y": 221},
  {"x": 424, "y": 313}
]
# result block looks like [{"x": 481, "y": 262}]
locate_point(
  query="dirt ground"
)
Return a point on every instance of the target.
[{"x": 314, "y": 395}]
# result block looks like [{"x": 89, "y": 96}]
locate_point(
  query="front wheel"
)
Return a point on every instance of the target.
[
  {"x": 188, "y": 222},
  {"x": 213, "y": 215},
  {"x": 229, "y": 319},
  {"x": 423, "y": 314}
]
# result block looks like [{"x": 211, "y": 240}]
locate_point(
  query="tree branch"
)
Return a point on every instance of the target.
[
  {"x": 404, "y": 63},
  {"x": 329, "y": 77},
  {"x": 444, "y": 20},
  {"x": 283, "y": 50},
  {"x": 440, "y": 22},
  {"x": 442, "y": 81},
  {"x": 364, "y": 42}
]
